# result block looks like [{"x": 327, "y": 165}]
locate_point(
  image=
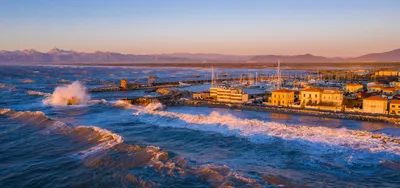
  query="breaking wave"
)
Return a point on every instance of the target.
[
  {"x": 103, "y": 139},
  {"x": 131, "y": 156},
  {"x": 261, "y": 132},
  {"x": 30, "y": 92},
  {"x": 72, "y": 94}
]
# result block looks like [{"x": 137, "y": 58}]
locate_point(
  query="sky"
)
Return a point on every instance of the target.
[{"x": 330, "y": 28}]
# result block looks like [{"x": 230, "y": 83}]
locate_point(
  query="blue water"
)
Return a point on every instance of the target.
[{"x": 35, "y": 154}]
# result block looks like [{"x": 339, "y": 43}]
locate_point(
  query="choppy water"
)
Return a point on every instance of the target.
[{"x": 109, "y": 144}]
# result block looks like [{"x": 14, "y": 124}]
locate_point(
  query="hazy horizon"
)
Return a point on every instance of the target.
[{"x": 323, "y": 28}]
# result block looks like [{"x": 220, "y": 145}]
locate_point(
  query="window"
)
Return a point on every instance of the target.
[
  {"x": 315, "y": 95},
  {"x": 309, "y": 95},
  {"x": 304, "y": 95},
  {"x": 393, "y": 106}
]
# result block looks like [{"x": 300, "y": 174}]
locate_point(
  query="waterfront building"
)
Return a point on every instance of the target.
[
  {"x": 388, "y": 90},
  {"x": 229, "y": 94},
  {"x": 397, "y": 90},
  {"x": 282, "y": 97},
  {"x": 124, "y": 83},
  {"x": 310, "y": 96},
  {"x": 332, "y": 96},
  {"x": 394, "y": 107},
  {"x": 373, "y": 84},
  {"x": 395, "y": 84},
  {"x": 375, "y": 88},
  {"x": 353, "y": 87},
  {"x": 201, "y": 95},
  {"x": 375, "y": 105},
  {"x": 387, "y": 73}
]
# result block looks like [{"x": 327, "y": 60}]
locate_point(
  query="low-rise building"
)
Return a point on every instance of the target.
[
  {"x": 310, "y": 96},
  {"x": 375, "y": 105},
  {"x": 388, "y": 90},
  {"x": 229, "y": 94},
  {"x": 201, "y": 95},
  {"x": 394, "y": 107},
  {"x": 387, "y": 73},
  {"x": 353, "y": 87},
  {"x": 395, "y": 84},
  {"x": 332, "y": 97},
  {"x": 375, "y": 88},
  {"x": 282, "y": 97}
]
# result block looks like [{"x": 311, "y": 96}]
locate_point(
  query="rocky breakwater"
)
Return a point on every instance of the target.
[
  {"x": 106, "y": 89},
  {"x": 288, "y": 110}
]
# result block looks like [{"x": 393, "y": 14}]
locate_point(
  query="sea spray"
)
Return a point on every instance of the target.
[{"x": 72, "y": 94}]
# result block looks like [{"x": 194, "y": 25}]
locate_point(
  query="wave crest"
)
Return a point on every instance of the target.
[{"x": 260, "y": 132}]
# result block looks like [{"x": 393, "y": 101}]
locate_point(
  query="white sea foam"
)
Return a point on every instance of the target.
[
  {"x": 103, "y": 137},
  {"x": 30, "y": 92},
  {"x": 72, "y": 94},
  {"x": 261, "y": 132}
]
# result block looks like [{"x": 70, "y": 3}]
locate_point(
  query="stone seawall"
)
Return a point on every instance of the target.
[{"x": 310, "y": 112}]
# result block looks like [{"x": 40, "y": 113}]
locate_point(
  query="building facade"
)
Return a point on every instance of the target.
[
  {"x": 310, "y": 96},
  {"x": 282, "y": 97},
  {"x": 394, "y": 107},
  {"x": 352, "y": 88},
  {"x": 375, "y": 88},
  {"x": 388, "y": 90},
  {"x": 375, "y": 105},
  {"x": 332, "y": 97},
  {"x": 229, "y": 94},
  {"x": 387, "y": 73},
  {"x": 201, "y": 95}
]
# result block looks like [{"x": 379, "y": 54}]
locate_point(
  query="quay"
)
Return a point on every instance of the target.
[{"x": 179, "y": 101}]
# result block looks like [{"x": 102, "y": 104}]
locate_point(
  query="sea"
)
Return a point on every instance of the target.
[{"x": 105, "y": 142}]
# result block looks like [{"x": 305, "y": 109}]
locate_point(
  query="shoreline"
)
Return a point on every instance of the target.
[{"x": 293, "y": 111}]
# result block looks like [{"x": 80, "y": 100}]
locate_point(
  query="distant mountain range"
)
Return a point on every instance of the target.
[{"x": 59, "y": 56}]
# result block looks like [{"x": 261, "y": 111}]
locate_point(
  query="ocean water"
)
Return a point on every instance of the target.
[{"x": 103, "y": 142}]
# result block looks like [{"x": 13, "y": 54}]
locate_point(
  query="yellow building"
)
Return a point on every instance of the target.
[
  {"x": 310, "y": 96},
  {"x": 124, "y": 83},
  {"x": 387, "y": 73},
  {"x": 201, "y": 95},
  {"x": 332, "y": 96},
  {"x": 353, "y": 87},
  {"x": 375, "y": 88},
  {"x": 229, "y": 94},
  {"x": 395, "y": 84},
  {"x": 375, "y": 105},
  {"x": 282, "y": 97},
  {"x": 394, "y": 107}
]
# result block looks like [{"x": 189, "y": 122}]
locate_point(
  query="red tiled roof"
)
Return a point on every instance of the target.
[
  {"x": 376, "y": 98},
  {"x": 395, "y": 102},
  {"x": 389, "y": 88},
  {"x": 376, "y": 86},
  {"x": 353, "y": 84},
  {"x": 312, "y": 89},
  {"x": 283, "y": 91}
]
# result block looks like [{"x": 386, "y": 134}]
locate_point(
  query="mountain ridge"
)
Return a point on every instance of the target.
[{"x": 57, "y": 55}]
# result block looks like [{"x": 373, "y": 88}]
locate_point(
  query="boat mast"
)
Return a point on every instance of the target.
[
  {"x": 279, "y": 74},
  {"x": 212, "y": 76}
]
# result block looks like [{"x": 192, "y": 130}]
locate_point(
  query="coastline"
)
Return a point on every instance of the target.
[{"x": 288, "y": 110}]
